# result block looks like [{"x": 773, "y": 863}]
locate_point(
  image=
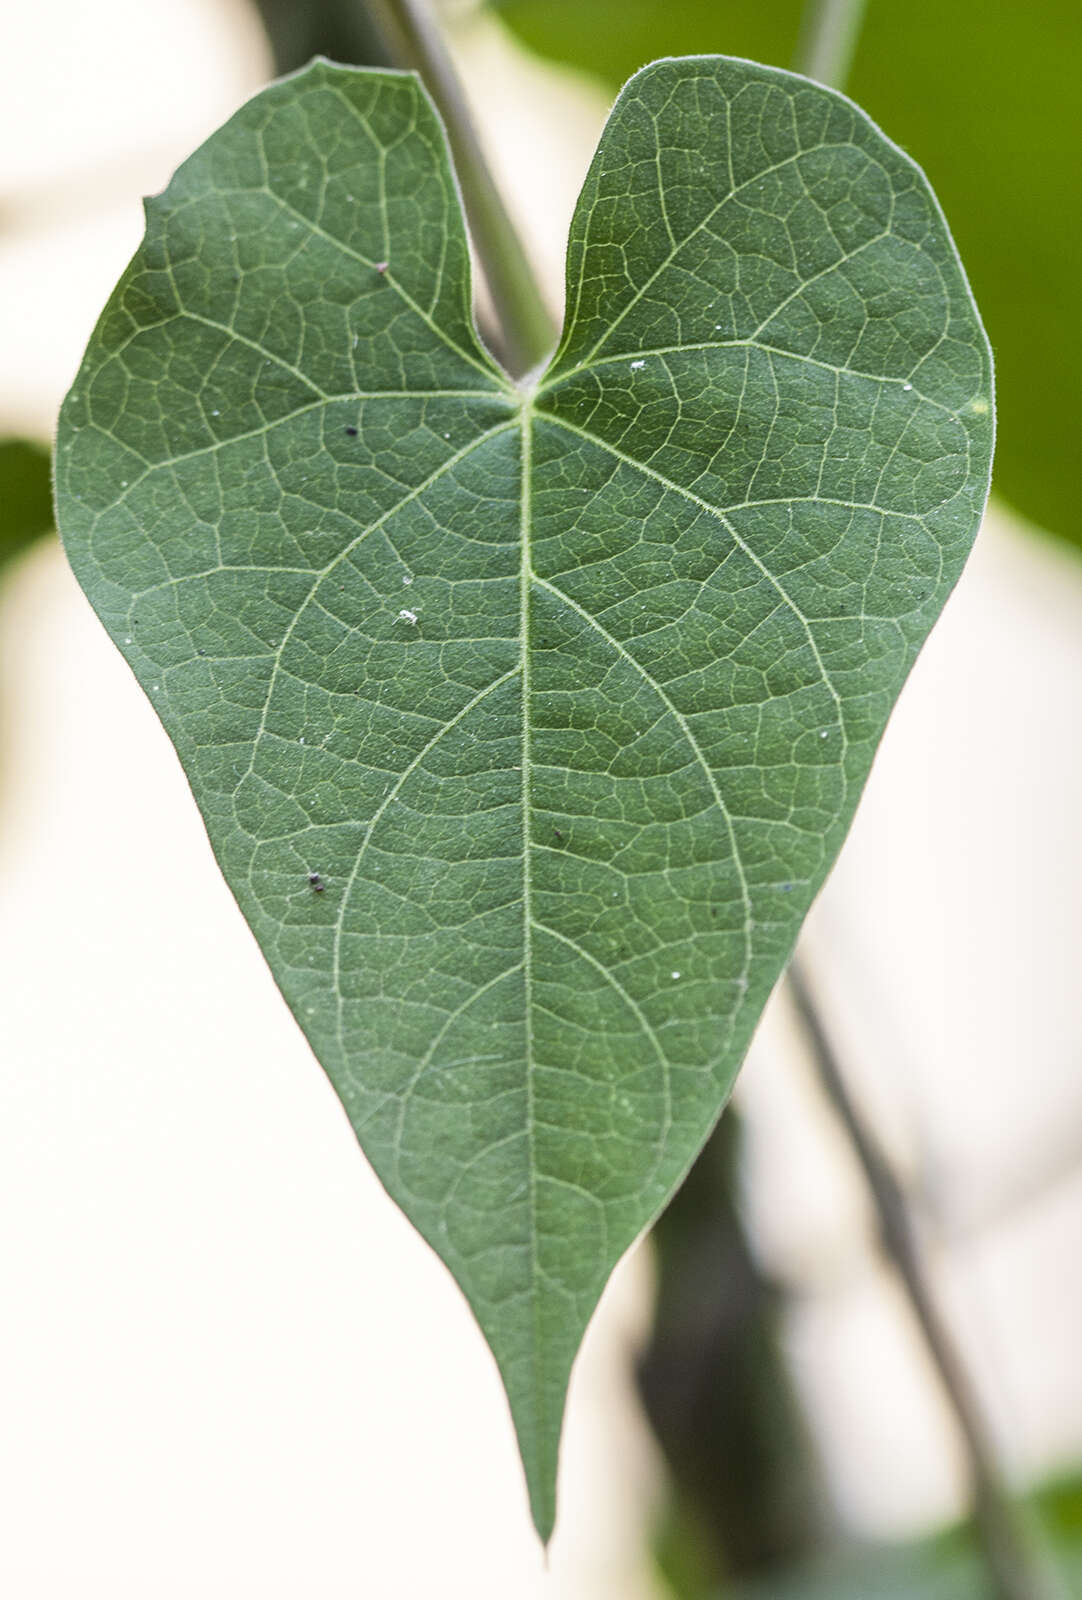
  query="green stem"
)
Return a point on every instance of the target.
[
  {"x": 828, "y": 37},
  {"x": 528, "y": 333},
  {"x": 1016, "y": 1569}
]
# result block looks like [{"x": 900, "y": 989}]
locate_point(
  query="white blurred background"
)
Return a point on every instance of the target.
[{"x": 228, "y": 1368}]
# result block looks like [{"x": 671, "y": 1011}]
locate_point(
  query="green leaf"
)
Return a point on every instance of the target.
[
  {"x": 339, "y": 28},
  {"x": 989, "y": 105},
  {"x": 949, "y": 1565},
  {"x": 26, "y": 500},
  {"x": 527, "y": 723}
]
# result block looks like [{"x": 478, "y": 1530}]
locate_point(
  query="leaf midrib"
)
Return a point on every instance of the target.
[
  {"x": 528, "y": 580},
  {"x": 525, "y": 589}
]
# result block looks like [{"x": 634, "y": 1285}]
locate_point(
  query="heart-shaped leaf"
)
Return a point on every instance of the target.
[{"x": 526, "y": 723}]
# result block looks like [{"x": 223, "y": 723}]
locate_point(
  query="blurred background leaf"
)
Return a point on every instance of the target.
[
  {"x": 990, "y": 107},
  {"x": 947, "y": 1567},
  {"x": 340, "y": 29},
  {"x": 26, "y": 500}
]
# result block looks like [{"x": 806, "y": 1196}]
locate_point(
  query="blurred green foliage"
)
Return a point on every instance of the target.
[
  {"x": 988, "y": 100},
  {"x": 947, "y": 1567},
  {"x": 26, "y": 500}
]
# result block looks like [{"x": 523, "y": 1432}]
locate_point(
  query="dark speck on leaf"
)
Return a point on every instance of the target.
[
  {"x": 352, "y": 432},
  {"x": 317, "y": 883},
  {"x": 557, "y": 832}
]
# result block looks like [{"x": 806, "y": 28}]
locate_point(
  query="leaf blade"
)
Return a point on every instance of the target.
[{"x": 526, "y": 725}]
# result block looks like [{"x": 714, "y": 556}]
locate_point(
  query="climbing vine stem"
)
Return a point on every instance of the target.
[{"x": 527, "y": 332}]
